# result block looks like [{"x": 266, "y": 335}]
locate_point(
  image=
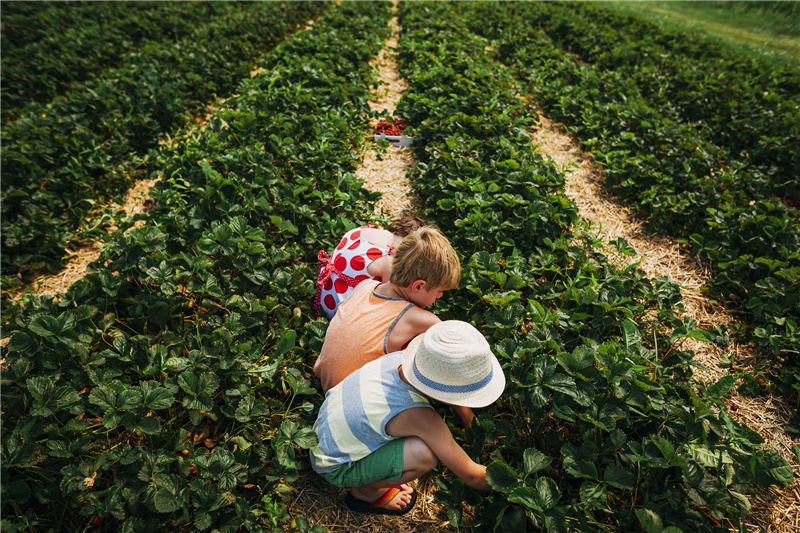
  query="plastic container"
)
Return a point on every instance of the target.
[{"x": 396, "y": 140}]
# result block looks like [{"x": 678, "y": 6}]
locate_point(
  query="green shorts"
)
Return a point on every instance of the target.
[{"x": 385, "y": 463}]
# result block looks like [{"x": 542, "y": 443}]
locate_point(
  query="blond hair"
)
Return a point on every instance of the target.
[{"x": 426, "y": 254}]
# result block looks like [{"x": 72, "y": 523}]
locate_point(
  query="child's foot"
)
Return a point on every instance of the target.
[{"x": 395, "y": 501}]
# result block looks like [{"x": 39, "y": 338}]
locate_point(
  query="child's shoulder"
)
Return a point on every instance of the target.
[{"x": 420, "y": 319}]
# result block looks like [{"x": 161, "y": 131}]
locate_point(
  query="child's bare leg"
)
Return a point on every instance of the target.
[{"x": 417, "y": 460}]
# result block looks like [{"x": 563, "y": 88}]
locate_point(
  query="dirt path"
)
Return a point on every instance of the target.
[
  {"x": 774, "y": 510},
  {"x": 383, "y": 171}
]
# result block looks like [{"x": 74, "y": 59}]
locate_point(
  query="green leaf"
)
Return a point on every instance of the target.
[
  {"x": 651, "y": 522},
  {"x": 593, "y": 494},
  {"x": 454, "y": 516},
  {"x": 40, "y": 387},
  {"x": 633, "y": 338},
  {"x": 501, "y": 477},
  {"x": 722, "y": 386},
  {"x": 580, "y": 358},
  {"x": 147, "y": 425},
  {"x": 562, "y": 383},
  {"x": 50, "y": 326},
  {"x": 189, "y": 383},
  {"x": 167, "y": 502},
  {"x": 20, "y": 342},
  {"x": 535, "y": 460},
  {"x": 103, "y": 396},
  {"x": 202, "y": 521},
  {"x": 542, "y": 496},
  {"x": 286, "y": 342},
  {"x": 249, "y": 408},
  {"x": 579, "y": 461},
  {"x": 129, "y": 398},
  {"x": 155, "y": 396},
  {"x": 766, "y": 467},
  {"x": 17, "y": 492},
  {"x": 619, "y": 477},
  {"x": 305, "y": 438}
]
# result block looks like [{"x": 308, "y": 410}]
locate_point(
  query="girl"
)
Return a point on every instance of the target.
[{"x": 363, "y": 253}]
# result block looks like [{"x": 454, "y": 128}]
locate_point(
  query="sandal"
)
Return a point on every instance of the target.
[{"x": 376, "y": 507}]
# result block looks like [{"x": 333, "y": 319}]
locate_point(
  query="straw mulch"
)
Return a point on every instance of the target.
[
  {"x": 385, "y": 170},
  {"x": 773, "y": 510},
  {"x": 322, "y": 503},
  {"x": 85, "y": 253}
]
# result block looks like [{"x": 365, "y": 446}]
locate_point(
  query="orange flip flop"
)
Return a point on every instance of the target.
[{"x": 376, "y": 507}]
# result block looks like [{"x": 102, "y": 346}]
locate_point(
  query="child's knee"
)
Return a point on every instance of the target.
[{"x": 420, "y": 453}]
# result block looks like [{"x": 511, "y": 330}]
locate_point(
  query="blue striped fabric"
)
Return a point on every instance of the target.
[{"x": 352, "y": 420}]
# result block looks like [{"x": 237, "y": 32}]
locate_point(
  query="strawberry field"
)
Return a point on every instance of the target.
[{"x": 171, "y": 388}]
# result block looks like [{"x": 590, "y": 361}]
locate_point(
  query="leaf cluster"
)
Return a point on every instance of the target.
[
  {"x": 171, "y": 389},
  {"x": 63, "y": 161},
  {"x": 601, "y": 426},
  {"x": 701, "y": 141}
]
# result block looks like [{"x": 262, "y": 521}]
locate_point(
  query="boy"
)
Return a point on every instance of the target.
[{"x": 377, "y": 431}]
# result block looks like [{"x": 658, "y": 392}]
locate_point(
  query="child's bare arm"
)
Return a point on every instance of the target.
[
  {"x": 465, "y": 414},
  {"x": 381, "y": 267},
  {"x": 426, "y": 424},
  {"x": 414, "y": 322}
]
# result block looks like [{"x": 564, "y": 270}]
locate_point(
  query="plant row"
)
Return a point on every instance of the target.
[
  {"x": 63, "y": 161},
  {"x": 675, "y": 166},
  {"x": 27, "y": 22},
  {"x": 52, "y": 50},
  {"x": 602, "y": 427},
  {"x": 170, "y": 390},
  {"x": 746, "y": 107}
]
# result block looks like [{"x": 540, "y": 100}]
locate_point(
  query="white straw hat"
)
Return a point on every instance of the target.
[{"x": 453, "y": 363}]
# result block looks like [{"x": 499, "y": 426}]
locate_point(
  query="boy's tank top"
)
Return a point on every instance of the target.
[
  {"x": 352, "y": 420},
  {"x": 358, "y": 333}
]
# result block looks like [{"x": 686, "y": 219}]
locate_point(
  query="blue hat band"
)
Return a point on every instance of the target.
[{"x": 451, "y": 389}]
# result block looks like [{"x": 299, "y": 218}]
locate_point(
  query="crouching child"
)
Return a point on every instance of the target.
[{"x": 377, "y": 430}]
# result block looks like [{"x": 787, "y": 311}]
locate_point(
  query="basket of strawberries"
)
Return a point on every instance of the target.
[{"x": 392, "y": 131}]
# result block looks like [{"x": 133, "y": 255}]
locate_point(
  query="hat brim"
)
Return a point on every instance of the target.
[{"x": 482, "y": 397}]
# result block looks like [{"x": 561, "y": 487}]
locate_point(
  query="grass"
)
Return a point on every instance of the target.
[{"x": 768, "y": 29}]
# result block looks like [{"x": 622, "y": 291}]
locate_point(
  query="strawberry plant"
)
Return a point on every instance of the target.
[
  {"x": 64, "y": 160},
  {"x": 51, "y": 51},
  {"x": 684, "y": 169},
  {"x": 603, "y": 427},
  {"x": 171, "y": 389}
]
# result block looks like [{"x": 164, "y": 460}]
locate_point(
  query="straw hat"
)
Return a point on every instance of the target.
[{"x": 453, "y": 363}]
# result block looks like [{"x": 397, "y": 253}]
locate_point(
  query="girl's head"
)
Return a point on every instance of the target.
[
  {"x": 404, "y": 226},
  {"x": 425, "y": 254}
]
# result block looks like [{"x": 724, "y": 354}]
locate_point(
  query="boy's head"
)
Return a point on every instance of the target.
[
  {"x": 425, "y": 254},
  {"x": 403, "y": 226},
  {"x": 453, "y": 363}
]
